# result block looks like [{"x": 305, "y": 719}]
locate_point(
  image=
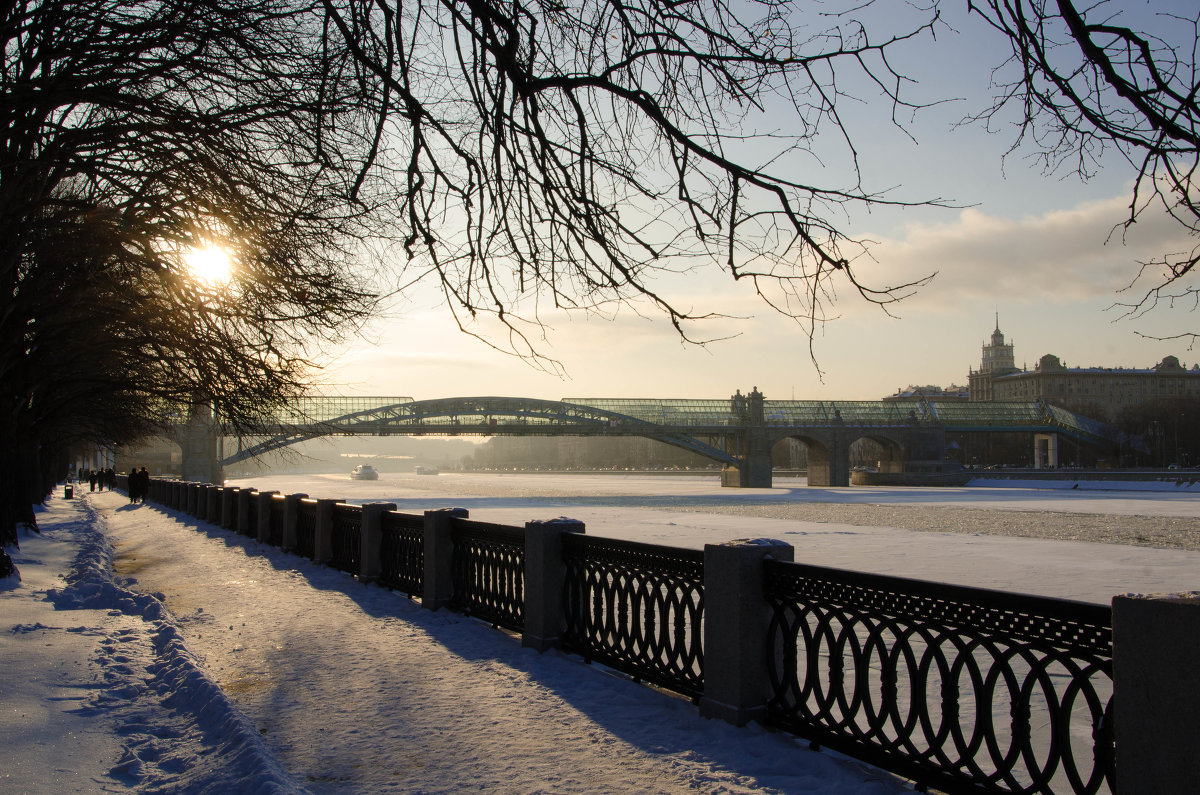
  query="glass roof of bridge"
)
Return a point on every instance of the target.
[
  {"x": 955, "y": 415},
  {"x": 323, "y": 409},
  {"x": 674, "y": 412},
  {"x": 776, "y": 412},
  {"x": 958, "y": 412},
  {"x": 952, "y": 414}
]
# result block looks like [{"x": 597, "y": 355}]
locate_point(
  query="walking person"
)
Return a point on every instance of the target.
[{"x": 143, "y": 485}]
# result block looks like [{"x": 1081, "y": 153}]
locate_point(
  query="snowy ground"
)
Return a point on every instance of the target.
[{"x": 210, "y": 663}]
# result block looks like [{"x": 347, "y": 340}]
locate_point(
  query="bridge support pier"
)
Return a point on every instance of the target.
[
  {"x": 198, "y": 441},
  {"x": 753, "y": 467},
  {"x": 754, "y": 472},
  {"x": 829, "y": 465},
  {"x": 1045, "y": 450}
]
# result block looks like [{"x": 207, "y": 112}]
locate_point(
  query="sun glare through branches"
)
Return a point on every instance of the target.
[{"x": 209, "y": 264}]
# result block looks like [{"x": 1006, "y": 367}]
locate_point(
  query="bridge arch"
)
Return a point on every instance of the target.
[{"x": 480, "y": 416}]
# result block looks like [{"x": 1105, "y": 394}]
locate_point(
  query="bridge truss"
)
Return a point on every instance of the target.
[{"x": 700, "y": 426}]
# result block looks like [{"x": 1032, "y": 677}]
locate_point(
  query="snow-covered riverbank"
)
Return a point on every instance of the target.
[{"x": 211, "y": 663}]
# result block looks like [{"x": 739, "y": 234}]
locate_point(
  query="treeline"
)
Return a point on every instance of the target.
[{"x": 603, "y": 452}]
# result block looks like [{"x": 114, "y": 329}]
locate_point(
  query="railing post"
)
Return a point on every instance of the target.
[
  {"x": 200, "y": 509},
  {"x": 229, "y": 507},
  {"x": 323, "y": 533},
  {"x": 213, "y": 505},
  {"x": 370, "y": 537},
  {"x": 736, "y": 617},
  {"x": 1156, "y": 692},
  {"x": 291, "y": 513},
  {"x": 544, "y": 575},
  {"x": 263, "y": 531},
  {"x": 242, "y": 522},
  {"x": 439, "y": 557}
]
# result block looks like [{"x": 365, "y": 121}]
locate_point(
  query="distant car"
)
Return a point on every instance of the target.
[
  {"x": 364, "y": 472},
  {"x": 426, "y": 470}
]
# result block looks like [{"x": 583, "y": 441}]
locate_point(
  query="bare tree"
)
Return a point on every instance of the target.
[
  {"x": 129, "y": 134},
  {"x": 573, "y": 153},
  {"x": 1084, "y": 81}
]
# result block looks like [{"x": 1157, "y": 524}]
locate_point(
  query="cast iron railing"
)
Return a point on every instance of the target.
[
  {"x": 962, "y": 689},
  {"x": 306, "y": 528},
  {"x": 402, "y": 552},
  {"x": 488, "y": 570},
  {"x": 346, "y": 539},
  {"x": 638, "y": 608}
]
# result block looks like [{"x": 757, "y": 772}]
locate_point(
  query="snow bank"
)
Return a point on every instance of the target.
[{"x": 200, "y": 742}]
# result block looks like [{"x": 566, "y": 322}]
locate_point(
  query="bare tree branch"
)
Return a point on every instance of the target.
[{"x": 1084, "y": 84}]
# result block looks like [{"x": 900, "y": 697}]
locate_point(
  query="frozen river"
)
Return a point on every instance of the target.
[{"x": 1086, "y": 543}]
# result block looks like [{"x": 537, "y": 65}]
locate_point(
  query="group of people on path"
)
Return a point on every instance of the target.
[
  {"x": 139, "y": 485},
  {"x": 99, "y": 478}
]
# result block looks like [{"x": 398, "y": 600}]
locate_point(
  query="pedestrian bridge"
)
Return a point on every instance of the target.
[{"x": 738, "y": 432}]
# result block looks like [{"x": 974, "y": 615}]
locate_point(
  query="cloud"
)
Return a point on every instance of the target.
[{"x": 1061, "y": 256}]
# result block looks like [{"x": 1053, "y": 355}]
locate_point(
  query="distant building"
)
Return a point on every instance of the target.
[
  {"x": 997, "y": 361},
  {"x": 1101, "y": 392},
  {"x": 915, "y": 393}
]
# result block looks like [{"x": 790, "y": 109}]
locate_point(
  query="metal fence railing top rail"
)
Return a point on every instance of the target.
[{"x": 1063, "y": 623}]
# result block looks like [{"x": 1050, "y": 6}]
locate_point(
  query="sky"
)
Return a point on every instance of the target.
[
  {"x": 162, "y": 654},
  {"x": 1036, "y": 251}
]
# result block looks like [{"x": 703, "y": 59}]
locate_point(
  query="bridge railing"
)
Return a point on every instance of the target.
[{"x": 963, "y": 689}]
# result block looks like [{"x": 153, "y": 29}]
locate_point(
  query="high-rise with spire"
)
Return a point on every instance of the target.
[{"x": 997, "y": 360}]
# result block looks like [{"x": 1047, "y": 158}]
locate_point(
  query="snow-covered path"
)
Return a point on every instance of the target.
[{"x": 356, "y": 689}]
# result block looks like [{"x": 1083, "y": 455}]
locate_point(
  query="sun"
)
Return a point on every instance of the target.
[{"x": 210, "y": 264}]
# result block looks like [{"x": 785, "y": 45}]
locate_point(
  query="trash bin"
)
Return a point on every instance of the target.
[{"x": 69, "y": 492}]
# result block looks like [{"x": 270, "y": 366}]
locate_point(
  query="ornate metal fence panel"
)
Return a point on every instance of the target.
[
  {"x": 638, "y": 608},
  {"x": 346, "y": 538},
  {"x": 402, "y": 552},
  {"x": 306, "y": 528},
  {"x": 275, "y": 533},
  {"x": 488, "y": 566},
  {"x": 962, "y": 689}
]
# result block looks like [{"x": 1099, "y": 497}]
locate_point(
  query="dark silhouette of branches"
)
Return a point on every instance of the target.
[
  {"x": 1084, "y": 82},
  {"x": 575, "y": 153},
  {"x": 130, "y": 133}
]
